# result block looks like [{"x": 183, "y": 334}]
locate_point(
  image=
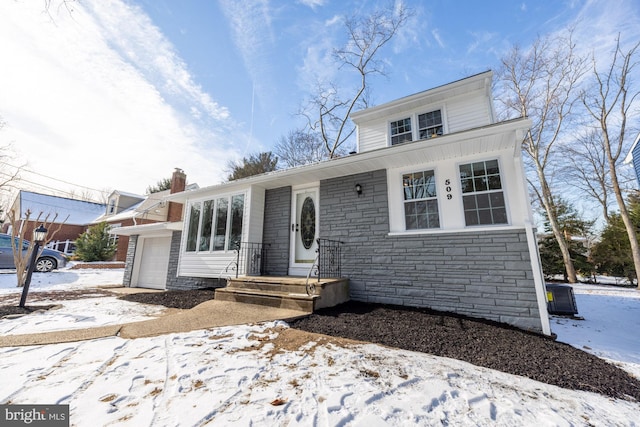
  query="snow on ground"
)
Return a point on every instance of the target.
[{"x": 242, "y": 376}]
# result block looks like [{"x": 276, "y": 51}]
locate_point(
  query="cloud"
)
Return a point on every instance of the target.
[
  {"x": 99, "y": 97},
  {"x": 250, "y": 23},
  {"x": 313, "y": 4}
]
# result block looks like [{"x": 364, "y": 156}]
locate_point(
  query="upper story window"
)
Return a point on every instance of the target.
[
  {"x": 430, "y": 124},
  {"x": 482, "y": 195},
  {"x": 112, "y": 207},
  {"x": 215, "y": 225},
  {"x": 401, "y": 131},
  {"x": 420, "y": 202}
]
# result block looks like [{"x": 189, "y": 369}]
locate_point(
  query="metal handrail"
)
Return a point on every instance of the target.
[{"x": 327, "y": 263}]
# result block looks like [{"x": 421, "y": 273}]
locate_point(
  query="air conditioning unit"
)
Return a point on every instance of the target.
[{"x": 560, "y": 300}]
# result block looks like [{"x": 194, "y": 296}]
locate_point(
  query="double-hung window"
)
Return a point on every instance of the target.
[
  {"x": 401, "y": 131},
  {"x": 216, "y": 224},
  {"x": 482, "y": 193},
  {"x": 430, "y": 124},
  {"x": 420, "y": 202}
]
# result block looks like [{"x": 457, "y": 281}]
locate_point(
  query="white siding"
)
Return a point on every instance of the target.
[
  {"x": 451, "y": 210},
  {"x": 254, "y": 215},
  {"x": 468, "y": 111},
  {"x": 213, "y": 264}
]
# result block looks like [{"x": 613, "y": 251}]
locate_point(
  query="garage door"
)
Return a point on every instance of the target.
[{"x": 154, "y": 261}]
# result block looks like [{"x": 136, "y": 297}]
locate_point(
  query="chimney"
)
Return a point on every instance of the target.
[
  {"x": 178, "y": 184},
  {"x": 178, "y": 181}
]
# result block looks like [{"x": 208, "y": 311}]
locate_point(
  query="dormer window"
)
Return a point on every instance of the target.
[
  {"x": 401, "y": 131},
  {"x": 112, "y": 207},
  {"x": 430, "y": 124}
]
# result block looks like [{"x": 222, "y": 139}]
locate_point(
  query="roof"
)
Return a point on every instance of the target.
[
  {"x": 481, "y": 81},
  {"x": 76, "y": 212},
  {"x": 492, "y": 137}
]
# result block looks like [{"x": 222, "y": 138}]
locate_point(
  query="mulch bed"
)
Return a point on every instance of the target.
[{"x": 482, "y": 343}]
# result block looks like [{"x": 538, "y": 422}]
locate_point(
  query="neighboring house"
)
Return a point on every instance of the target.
[
  {"x": 432, "y": 211},
  {"x": 122, "y": 209},
  {"x": 70, "y": 214},
  {"x": 634, "y": 158},
  {"x": 126, "y": 209}
]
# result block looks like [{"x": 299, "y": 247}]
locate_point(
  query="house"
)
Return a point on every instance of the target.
[
  {"x": 634, "y": 157},
  {"x": 431, "y": 211},
  {"x": 123, "y": 209},
  {"x": 127, "y": 209},
  {"x": 71, "y": 215}
]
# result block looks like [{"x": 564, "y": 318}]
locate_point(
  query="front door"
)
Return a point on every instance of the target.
[{"x": 304, "y": 231}]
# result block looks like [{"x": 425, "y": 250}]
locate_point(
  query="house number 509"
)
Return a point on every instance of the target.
[{"x": 447, "y": 182}]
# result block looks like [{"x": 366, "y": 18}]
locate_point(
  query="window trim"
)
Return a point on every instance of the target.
[
  {"x": 403, "y": 134},
  {"x": 436, "y": 198},
  {"x": 503, "y": 189},
  {"x": 414, "y": 122},
  {"x": 228, "y": 223}
]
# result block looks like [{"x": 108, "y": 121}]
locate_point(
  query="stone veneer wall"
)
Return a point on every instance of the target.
[
  {"x": 128, "y": 266},
  {"x": 175, "y": 282},
  {"x": 484, "y": 274},
  {"x": 276, "y": 234}
]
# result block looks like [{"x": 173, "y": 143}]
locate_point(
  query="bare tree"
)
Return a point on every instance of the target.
[
  {"x": 588, "y": 170},
  {"x": 7, "y": 177},
  {"x": 299, "y": 148},
  {"x": 610, "y": 104},
  {"x": 541, "y": 84},
  {"x": 328, "y": 111},
  {"x": 20, "y": 257}
]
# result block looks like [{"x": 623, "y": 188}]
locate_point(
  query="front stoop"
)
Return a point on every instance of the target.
[{"x": 285, "y": 292}]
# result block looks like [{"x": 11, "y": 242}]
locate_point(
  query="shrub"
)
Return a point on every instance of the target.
[{"x": 95, "y": 244}]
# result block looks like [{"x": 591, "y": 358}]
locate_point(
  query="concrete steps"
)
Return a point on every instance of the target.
[{"x": 285, "y": 292}]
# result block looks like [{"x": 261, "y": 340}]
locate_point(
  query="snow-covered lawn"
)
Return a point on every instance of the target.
[{"x": 259, "y": 374}]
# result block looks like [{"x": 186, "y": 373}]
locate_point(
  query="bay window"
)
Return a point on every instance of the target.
[{"x": 212, "y": 227}]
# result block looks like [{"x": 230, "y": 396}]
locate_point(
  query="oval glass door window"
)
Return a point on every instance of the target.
[{"x": 308, "y": 222}]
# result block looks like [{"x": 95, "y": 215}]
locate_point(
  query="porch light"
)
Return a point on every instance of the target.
[{"x": 359, "y": 189}]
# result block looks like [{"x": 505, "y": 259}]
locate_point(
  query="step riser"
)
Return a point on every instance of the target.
[
  {"x": 266, "y": 300},
  {"x": 287, "y": 288}
]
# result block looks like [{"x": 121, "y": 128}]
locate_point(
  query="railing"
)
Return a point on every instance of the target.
[
  {"x": 66, "y": 246},
  {"x": 250, "y": 259},
  {"x": 327, "y": 263}
]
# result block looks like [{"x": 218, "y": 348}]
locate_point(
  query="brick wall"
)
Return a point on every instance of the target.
[
  {"x": 480, "y": 274},
  {"x": 276, "y": 234}
]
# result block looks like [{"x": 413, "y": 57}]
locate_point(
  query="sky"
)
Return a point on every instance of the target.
[
  {"x": 267, "y": 374},
  {"x": 97, "y": 95}
]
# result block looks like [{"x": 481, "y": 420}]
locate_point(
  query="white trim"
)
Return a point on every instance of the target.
[
  {"x": 503, "y": 188},
  {"x": 473, "y": 229},
  {"x": 494, "y": 137},
  {"x": 538, "y": 278}
]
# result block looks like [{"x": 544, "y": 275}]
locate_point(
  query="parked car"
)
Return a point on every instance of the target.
[{"x": 48, "y": 260}]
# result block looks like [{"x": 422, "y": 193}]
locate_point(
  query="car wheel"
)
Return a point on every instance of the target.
[{"x": 45, "y": 264}]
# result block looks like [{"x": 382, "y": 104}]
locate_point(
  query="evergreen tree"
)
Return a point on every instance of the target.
[
  {"x": 254, "y": 165},
  {"x": 571, "y": 226},
  {"x": 612, "y": 254},
  {"x": 164, "y": 184},
  {"x": 95, "y": 244}
]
